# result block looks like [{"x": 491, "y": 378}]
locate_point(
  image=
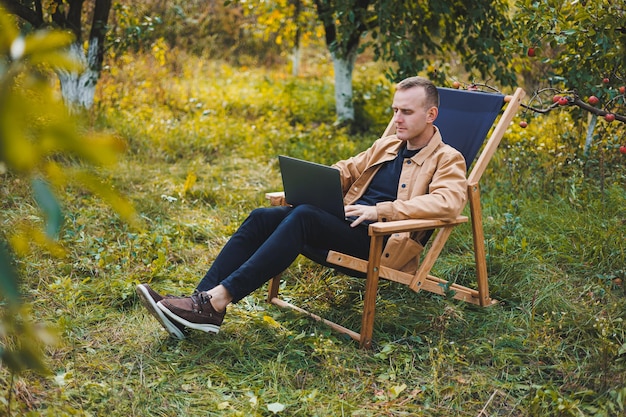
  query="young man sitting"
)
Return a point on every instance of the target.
[{"x": 412, "y": 174}]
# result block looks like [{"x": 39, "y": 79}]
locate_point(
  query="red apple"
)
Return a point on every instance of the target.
[
  {"x": 606, "y": 80},
  {"x": 556, "y": 99},
  {"x": 563, "y": 101},
  {"x": 622, "y": 89},
  {"x": 523, "y": 124},
  {"x": 593, "y": 100},
  {"x": 622, "y": 149},
  {"x": 609, "y": 117},
  {"x": 531, "y": 52},
  {"x": 456, "y": 84}
]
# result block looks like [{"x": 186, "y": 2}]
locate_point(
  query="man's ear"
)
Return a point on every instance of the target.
[{"x": 432, "y": 114}]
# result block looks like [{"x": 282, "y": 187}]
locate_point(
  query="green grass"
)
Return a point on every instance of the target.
[{"x": 554, "y": 346}]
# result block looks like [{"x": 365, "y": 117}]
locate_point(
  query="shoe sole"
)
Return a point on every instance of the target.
[
  {"x": 209, "y": 328},
  {"x": 152, "y": 307}
]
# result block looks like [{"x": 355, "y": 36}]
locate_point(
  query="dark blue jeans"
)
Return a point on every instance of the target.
[{"x": 271, "y": 238}]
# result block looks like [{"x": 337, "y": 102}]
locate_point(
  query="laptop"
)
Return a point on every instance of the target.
[{"x": 307, "y": 182}]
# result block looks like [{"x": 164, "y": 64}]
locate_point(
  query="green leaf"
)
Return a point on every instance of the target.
[
  {"x": 49, "y": 205},
  {"x": 9, "y": 279}
]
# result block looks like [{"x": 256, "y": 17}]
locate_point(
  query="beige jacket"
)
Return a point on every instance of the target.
[{"x": 432, "y": 186}]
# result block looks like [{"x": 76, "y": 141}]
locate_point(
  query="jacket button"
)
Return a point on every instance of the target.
[
  {"x": 387, "y": 255},
  {"x": 403, "y": 185}
]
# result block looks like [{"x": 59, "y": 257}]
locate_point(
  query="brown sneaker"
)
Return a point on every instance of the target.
[
  {"x": 195, "y": 312},
  {"x": 149, "y": 299}
]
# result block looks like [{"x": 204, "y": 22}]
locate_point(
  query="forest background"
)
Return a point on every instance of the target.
[{"x": 193, "y": 101}]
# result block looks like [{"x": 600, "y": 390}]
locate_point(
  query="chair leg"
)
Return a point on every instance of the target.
[
  {"x": 479, "y": 245},
  {"x": 272, "y": 288},
  {"x": 371, "y": 291}
]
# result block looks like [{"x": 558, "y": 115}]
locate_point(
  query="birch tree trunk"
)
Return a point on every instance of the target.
[
  {"x": 344, "y": 66},
  {"x": 78, "y": 88}
]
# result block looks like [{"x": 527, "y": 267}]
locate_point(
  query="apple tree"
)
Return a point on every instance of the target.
[
  {"x": 78, "y": 88},
  {"x": 415, "y": 36},
  {"x": 573, "y": 54}
]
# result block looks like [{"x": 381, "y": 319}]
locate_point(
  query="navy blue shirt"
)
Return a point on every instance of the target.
[{"x": 384, "y": 185}]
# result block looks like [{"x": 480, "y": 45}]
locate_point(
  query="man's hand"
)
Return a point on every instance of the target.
[{"x": 362, "y": 213}]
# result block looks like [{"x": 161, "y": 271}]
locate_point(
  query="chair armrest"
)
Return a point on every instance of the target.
[
  {"x": 412, "y": 225},
  {"x": 276, "y": 198}
]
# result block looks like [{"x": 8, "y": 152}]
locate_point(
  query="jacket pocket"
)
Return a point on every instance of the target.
[{"x": 402, "y": 253}]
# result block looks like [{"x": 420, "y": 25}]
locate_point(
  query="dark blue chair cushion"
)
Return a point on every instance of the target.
[{"x": 465, "y": 118}]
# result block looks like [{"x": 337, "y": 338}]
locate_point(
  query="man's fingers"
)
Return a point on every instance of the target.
[{"x": 357, "y": 222}]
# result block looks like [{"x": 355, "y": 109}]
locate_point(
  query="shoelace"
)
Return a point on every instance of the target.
[{"x": 200, "y": 298}]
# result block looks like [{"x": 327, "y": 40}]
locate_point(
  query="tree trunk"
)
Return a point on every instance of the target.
[
  {"x": 592, "y": 119},
  {"x": 79, "y": 88},
  {"x": 295, "y": 60},
  {"x": 344, "y": 67},
  {"x": 295, "y": 53}
]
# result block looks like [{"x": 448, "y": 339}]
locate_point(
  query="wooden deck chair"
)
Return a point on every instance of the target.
[{"x": 465, "y": 119}]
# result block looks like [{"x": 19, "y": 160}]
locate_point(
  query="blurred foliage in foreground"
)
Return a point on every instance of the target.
[{"x": 37, "y": 137}]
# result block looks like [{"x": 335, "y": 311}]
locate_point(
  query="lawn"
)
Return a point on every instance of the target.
[{"x": 202, "y": 140}]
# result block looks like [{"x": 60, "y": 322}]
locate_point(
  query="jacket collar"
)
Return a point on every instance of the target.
[
  {"x": 426, "y": 151},
  {"x": 434, "y": 143}
]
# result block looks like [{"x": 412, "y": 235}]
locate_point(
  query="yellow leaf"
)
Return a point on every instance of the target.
[
  {"x": 99, "y": 149},
  {"x": 55, "y": 174},
  {"x": 271, "y": 321},
  {"x": 20, "y": 244},
  {"x": 40, "y": 238},
  {"x": 58, "y": 60},
  {"x": 8, "y": 32},
  {"x": 47, "y": 41},
  {"x": 103, "y": 190},
  {"x": 19, "y": 153},
  {"x": 397, "y": 390},
  {"x": 189, "y": 182}
]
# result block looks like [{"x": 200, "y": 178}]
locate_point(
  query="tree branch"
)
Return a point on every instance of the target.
[
  {"x": 576, "y": 101},
  {"x": 571, "y": 96},
  {"x": 23, "y": 12}
]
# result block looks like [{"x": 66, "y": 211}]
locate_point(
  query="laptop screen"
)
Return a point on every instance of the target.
[{"x": 307, "y": 182}]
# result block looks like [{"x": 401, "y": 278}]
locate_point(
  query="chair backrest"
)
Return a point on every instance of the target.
[{"x": 465, "y": 118}]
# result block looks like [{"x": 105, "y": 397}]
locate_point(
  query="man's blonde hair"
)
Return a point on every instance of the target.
[{"x": 432, "y": 95}]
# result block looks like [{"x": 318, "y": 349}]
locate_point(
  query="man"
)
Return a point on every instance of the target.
[{"x": 409, "y": 175}]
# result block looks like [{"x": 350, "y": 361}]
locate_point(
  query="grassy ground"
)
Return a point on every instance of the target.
[{"x": 202, "y": 140}]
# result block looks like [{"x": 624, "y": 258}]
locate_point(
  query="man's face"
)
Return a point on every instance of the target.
[{"x": 413, "y": 119}]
